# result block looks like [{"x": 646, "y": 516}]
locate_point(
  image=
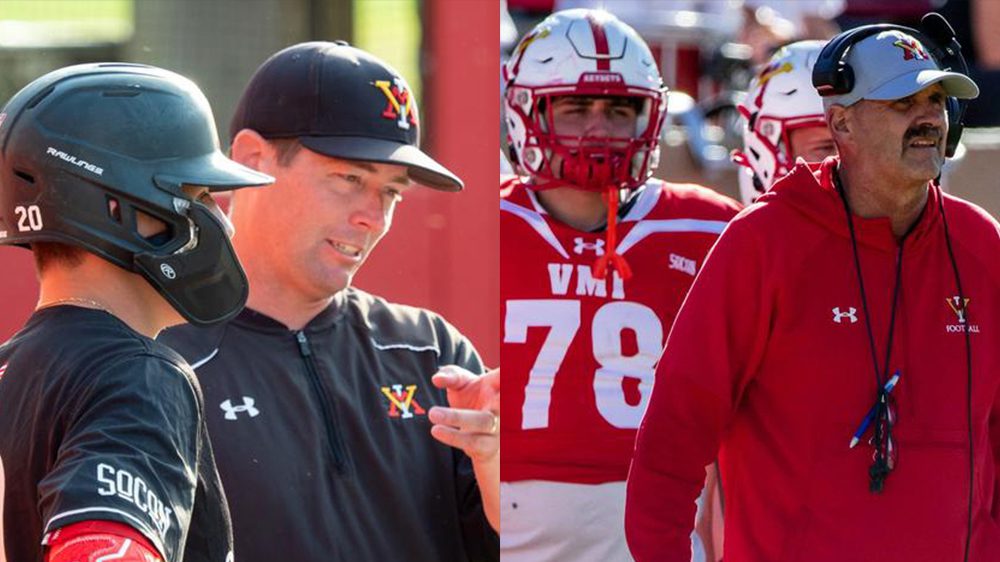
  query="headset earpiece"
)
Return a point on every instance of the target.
[{"x": 955, "y": 126}]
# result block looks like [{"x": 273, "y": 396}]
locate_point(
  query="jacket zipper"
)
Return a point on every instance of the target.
[{"x": 327, "y": 407}]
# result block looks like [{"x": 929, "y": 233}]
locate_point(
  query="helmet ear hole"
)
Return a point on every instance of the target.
[
  {"x": 114, "y": 210},
  {"x": 153, "y": 230},
  {"x": 25, "y": 176}
]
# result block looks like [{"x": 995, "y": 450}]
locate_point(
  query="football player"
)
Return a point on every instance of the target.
[{"x": 596, "y": 259}]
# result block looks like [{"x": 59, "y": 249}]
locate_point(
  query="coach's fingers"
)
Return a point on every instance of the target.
[
  {"x": 479, "y": 446},
  {"x": 452, "y": 377},
  {"x": 470, "y": 421}
]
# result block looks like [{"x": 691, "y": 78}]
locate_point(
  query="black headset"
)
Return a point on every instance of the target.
[{"x": 833, "y": 76}]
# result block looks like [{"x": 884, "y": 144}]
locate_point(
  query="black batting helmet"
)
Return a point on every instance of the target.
[{"x": 84, "y": 148}]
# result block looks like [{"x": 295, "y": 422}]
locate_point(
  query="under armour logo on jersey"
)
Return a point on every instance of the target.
[
  {"x": 579, "y": 245},
  {"x": 839, "y": 316},
  {"x": 247, "y": 406},
  {"x": 402, "y": 401}
]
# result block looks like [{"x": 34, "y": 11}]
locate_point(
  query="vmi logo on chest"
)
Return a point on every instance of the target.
[
  {"x": 402, "y": 404},
  {"x": 561, "y": 278}
]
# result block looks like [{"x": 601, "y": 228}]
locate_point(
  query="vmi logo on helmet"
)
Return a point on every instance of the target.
[{"x": 74, "y": 161}]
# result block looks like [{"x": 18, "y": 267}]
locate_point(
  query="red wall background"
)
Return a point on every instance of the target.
[{"x": 442, "y": 251}]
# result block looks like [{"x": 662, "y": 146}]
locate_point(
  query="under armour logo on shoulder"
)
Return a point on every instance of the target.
[
  {"x": 247, "y": 406},
  {"x": 579, "y": 245},
  {"x": 839, "y": 316}
]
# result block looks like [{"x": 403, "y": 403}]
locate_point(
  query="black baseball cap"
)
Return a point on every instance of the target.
[{"x": 339, "y": 101}]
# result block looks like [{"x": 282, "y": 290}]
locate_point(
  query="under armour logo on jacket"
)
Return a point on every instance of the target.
[
  {"x": 839, "y": 316},
  {"x": 247, "y": 406},
  {"x": 579, "y": 246}
]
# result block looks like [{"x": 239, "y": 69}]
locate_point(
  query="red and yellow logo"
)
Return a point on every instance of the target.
[
  {"x": 401, "y": 401},
  {"x": 400, "y": 102},
  {"x": 766, "y": 75},
  {"x": 912, "y": 49},
  {"x": 959, "y": 306}
]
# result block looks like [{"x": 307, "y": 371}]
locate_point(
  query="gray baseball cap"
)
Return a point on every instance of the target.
[{"x": 892, "y": 65}]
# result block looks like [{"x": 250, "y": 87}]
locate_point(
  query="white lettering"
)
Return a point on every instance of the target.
[
  {"x": 587, "y": 285},
  {"x": 74, "y": 161},
  {"x": 559, "y": 276},
  {"x": 104, "y": 479},
  {"x": 617, "y": 286},
  {"x": 680, "y": 263},
  {"x": 125, "y": 482},
  {"x": 135, "y": 491}
]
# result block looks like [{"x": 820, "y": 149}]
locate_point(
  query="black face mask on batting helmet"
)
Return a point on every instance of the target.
[{"x": 86, "y": 148}]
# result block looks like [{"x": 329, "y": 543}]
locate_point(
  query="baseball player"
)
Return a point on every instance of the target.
[
  {"x": 784, "y": 120},
  {"x": 322, "y": 400},
  {"x": 597, "y": 258},
  {"x": 106, "y": 172}
]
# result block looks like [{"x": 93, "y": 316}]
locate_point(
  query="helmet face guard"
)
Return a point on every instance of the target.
[
  {"x": 90, "y": 147},
  {"x": 588, "y": 163},
  {"x": 203, "y": 281}
]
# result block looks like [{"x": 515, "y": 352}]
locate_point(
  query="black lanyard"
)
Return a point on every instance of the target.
[{"x": 882, "y": 462}]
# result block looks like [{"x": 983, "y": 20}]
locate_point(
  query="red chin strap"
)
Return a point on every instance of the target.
[
  {"x": 611, "y": 258},
  {"x": 600, "y": 173}
]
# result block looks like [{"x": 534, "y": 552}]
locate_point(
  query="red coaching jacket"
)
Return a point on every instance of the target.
[
  {"x": 769, "y": 365},
  {"x": 578, "y": 352}
]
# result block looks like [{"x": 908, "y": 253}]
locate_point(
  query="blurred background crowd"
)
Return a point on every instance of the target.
[{"x": 708, "y": 51}]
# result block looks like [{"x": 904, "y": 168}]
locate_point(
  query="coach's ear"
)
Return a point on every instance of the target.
[{"x": 252, "y": 150}]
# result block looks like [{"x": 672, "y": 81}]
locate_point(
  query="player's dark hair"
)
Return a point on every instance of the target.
[
  {"x": 286, "y": 149},
  {"x": 49, "y": 253}
]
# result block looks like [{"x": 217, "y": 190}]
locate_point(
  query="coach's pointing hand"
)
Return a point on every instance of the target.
[{"x": 472, "y": 423}]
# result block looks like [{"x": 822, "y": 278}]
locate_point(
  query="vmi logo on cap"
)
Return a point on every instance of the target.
[
  {"x": 911, "y": 49},
  {"x": 400, "y": 106}
]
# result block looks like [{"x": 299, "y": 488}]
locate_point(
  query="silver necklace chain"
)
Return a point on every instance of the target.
[{"x": 87, "y": 303}]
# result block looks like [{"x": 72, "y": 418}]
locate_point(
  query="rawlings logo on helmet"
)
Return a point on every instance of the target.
[{"x": 75, "y": 161}]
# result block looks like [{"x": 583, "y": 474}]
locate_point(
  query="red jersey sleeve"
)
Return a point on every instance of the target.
[{"x": 716, "y": 341}]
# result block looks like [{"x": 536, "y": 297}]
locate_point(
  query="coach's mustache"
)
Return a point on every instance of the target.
[{"x": 929, "y": 132}]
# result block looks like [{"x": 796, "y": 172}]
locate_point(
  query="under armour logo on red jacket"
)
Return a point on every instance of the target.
[{"x": 839, "y": 316}]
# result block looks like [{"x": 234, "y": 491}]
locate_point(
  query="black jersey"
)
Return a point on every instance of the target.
[
  {"x": 98, "y": 422},
  {"x": 322, "y": 436}
]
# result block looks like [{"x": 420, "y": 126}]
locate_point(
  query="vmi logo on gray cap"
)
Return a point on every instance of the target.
[{"x": 75, "y": 161}]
